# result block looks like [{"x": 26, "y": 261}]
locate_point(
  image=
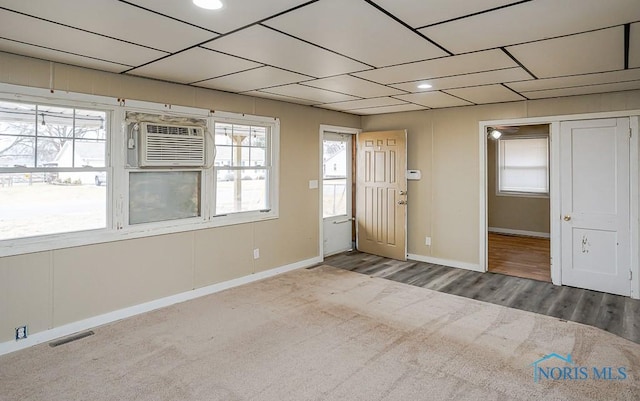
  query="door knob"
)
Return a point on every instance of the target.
[
  {"x": 567, "y": 217},
  {"x": 402, "y": 202}
]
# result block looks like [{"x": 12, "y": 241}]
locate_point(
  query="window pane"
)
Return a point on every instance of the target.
[
  {"x": 55, "y": 121},
  {"x": 17, "y": 132},
  {"x": 55, "y": 152},
  {"x": 17, "y": 151},
  {"x": 223, "y": 134},
  {"x": 31, "y": 206},
  {"x": 524, "y": 165},
  {"x": 334, "y": 172},
  {"x": 259, "y": 137},
  {"x": 241, "y": 191},
  {"x": 334, "y": 202},
  {"x": 89, "y": 153},
  {"x": 166, "y": 195},
  {"x": 334, "y": 157},
  {"x": 90, "y": 124}
]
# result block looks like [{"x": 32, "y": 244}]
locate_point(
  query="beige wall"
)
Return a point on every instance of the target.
[
  {"x": 513, "y": 212},
  {"x": 50, "y": 289},
  {"x": 444, "y": 144}
]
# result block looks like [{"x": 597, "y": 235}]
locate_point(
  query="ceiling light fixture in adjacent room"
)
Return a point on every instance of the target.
[
  {"x": 208, "y": 4},
  {"x": 424, "y": 86},
  {"x": 495, "y": 134}
]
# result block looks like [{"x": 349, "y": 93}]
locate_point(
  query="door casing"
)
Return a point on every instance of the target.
[
  {"x": 554, "y": 136},
  {"x": 339, "y": 130}
]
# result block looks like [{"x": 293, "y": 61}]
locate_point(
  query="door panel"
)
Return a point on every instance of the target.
[
  {"x": 336, "y": 193},
  {"x": 381, "y": 193},
  {"x": 595, "y": 182}
]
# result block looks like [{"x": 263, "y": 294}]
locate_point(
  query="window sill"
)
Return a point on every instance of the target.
[
  {"x": 20, "y": 246},
  {"x": 523, "y": 195}
]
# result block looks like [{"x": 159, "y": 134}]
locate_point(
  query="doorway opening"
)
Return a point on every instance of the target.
[
  {"x": 337, "y": 206},
  {"x": 518, "y": 201}
]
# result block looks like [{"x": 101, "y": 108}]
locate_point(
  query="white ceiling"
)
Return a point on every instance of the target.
[{"x": 357, "y": 56}]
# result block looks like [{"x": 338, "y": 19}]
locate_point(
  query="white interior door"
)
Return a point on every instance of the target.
[
  {"x": 337, "y": 218},
  {"x": 595, "y": 190}
]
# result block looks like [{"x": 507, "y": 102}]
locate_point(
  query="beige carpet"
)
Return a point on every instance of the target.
[{"x": 323, "y": 334}]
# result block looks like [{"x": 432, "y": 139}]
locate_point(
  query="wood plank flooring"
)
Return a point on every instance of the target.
[
  {"x": 613, "y": 313},
  {"x": 525, "y": 257}
]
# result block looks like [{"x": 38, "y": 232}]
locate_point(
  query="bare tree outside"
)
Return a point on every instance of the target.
[{"x": 48, "y": 157}]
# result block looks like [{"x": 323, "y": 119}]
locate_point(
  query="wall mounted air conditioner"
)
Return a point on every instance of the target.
[{"x": 166, "y": 145}]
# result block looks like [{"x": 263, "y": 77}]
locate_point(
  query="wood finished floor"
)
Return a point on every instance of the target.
[
  {"x": 613, "y": 313},
  {"x": 525, "y": 257}
]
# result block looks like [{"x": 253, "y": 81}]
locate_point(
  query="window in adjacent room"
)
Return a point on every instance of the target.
[
  {"x": 53, "y": 172},
  {"x": 523, "y": 165}
]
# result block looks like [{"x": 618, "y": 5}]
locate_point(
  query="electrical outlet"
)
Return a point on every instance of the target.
[
  {"x": 256, "y": 253},
  {"x": 427, "y": 241},
  {"x": 21, "y": 333}
]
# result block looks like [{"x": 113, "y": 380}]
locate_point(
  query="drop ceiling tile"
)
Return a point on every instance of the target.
[
  {"x": 534, "y": 20},
  {"x": 434, "y": 99},
  {"x": 576, "y": 80},
  {"x": 58, "y": 37},
  {"x": 388, "y": 109},
  {"x": 276, "y": 49},
  {"x": 254, "y": 79},
  {"x": 465, "y": 80},
  {"x": 357, "y": 30},
  {"x": 54, "y": 55},
  {"x": 584, "y": 90},
  {"x": 364, "y": 103},
  {"x": 486, "y": 94},
  {"x": 235, "y": 13},
  {"x": 117, "y": 20},
  {"x": 441, "y": 67},
  {"x": 194, "y": 65},
  {"x": 275, "y": 96},
  {"x": 634, "y": 46},
  {"x": 314, "y": 94},
  {"x": 422, "y": 13},
  {"x": 584, "y": 53},
  {"x": 353, "y": 86}
]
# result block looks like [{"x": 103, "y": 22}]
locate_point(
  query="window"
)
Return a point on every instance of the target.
[
  {"x": 52, "y": 169},
  {"x": 243, "y": 168},
  {"x": 523, "y": 165},
  {"x": 335, "y": 173},
  {"x": 80, "y": 169}
]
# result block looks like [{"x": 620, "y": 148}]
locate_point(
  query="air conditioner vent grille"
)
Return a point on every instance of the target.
[
  {"x": 171, "y": 129},
  {"x": 172, "y": 145}
]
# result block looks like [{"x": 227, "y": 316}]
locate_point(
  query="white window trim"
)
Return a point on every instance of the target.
[
  {"x": 274, "y": 180},
  {"x": 522, "y": 194},
  {"x": 118, "y": 228}
]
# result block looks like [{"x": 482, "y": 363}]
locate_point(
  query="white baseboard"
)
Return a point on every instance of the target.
[
  {"x": 92, "y": 322},
  {"x": 446, "y": 262},
  {"x": 524, "y": 233}
]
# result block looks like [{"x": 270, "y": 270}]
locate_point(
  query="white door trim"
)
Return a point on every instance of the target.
[
  {"x": 554, "y": 133},
  {"x": 338, "y": 130}
]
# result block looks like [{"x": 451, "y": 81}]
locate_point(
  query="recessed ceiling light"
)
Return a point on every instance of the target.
[
  {"x": 424, "y": 86},
  {"x": 208, "y": 4}
]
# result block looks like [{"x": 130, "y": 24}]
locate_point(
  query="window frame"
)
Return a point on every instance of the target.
[
  {"x": 117, "y": 227},
  {"x": 272, "y": 154},
  {"x": 499, "y": 158},
  {"x": 27, "y": 96}
]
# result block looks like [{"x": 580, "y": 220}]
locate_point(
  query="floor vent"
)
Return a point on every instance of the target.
[{"x": 69, "y": 339}]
